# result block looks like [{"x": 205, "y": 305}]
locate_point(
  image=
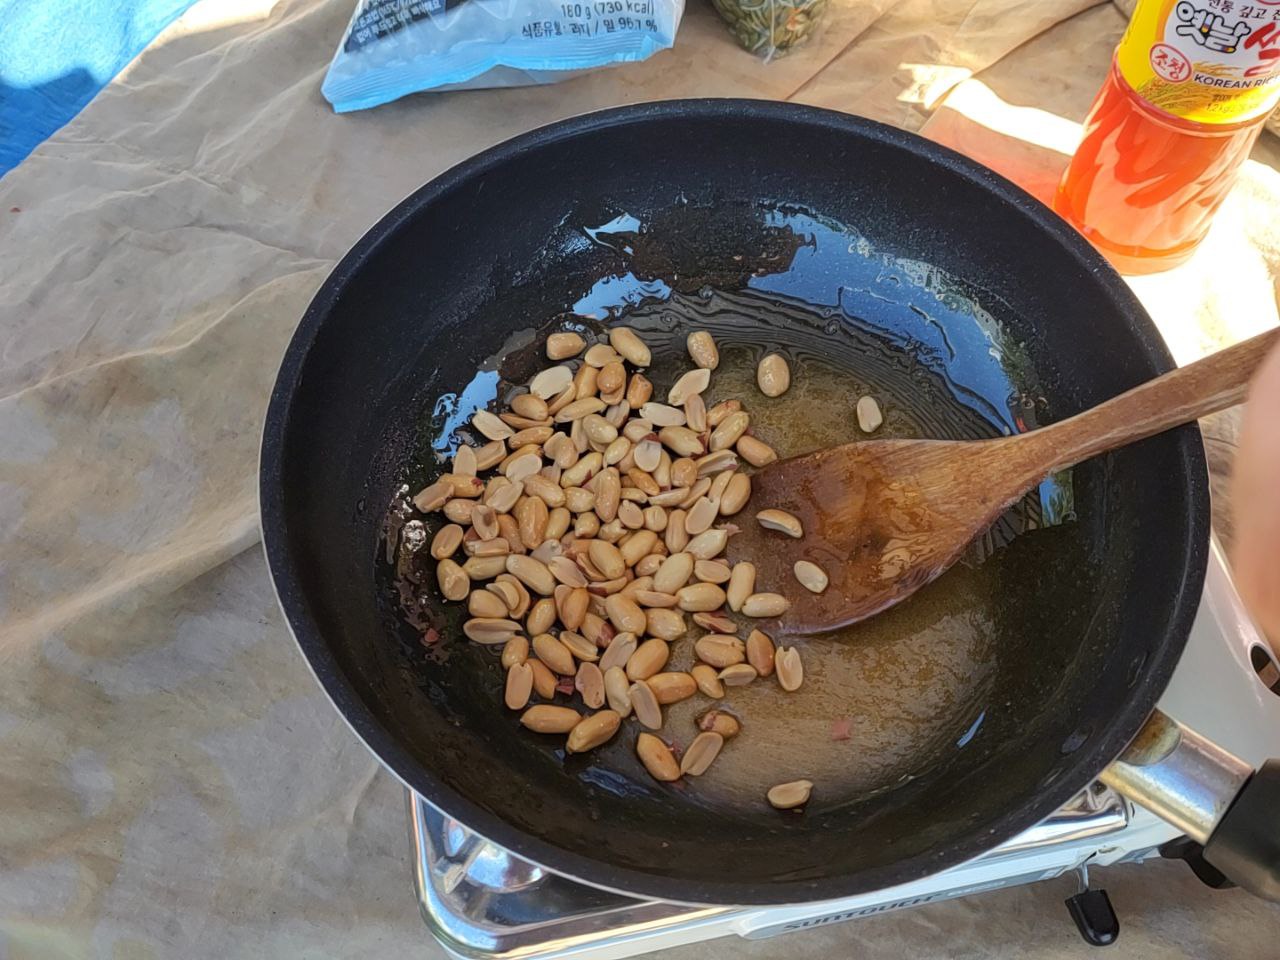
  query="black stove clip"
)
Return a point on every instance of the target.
[
  {"x": 1186, "y": 849},
  {"x": 1092, "y": 913}
]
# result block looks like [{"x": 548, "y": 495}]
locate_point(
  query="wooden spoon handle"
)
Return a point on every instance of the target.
[{"x": 1180, "y": 396}]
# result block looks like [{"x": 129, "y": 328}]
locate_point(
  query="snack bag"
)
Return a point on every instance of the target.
[{"x": 397, "y": 47}]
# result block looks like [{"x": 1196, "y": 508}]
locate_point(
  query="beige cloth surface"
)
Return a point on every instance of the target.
[{"x": 173, "y": 783}]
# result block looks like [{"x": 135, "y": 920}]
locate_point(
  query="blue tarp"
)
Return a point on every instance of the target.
[{"x": 55, "y": 55}]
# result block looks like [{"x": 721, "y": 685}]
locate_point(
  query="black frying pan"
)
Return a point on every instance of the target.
[{"x": 1091, "y": 615}]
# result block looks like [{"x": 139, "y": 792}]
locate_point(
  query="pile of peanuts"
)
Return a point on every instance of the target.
[{"x": 598, "y": 531}]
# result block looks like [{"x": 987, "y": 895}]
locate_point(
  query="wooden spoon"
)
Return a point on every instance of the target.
[{"x": 884, "y": 517}]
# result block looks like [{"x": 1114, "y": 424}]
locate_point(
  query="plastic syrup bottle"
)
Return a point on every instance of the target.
[{"x": 1190, "y": 86}]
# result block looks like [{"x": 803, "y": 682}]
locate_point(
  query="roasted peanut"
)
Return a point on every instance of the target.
[
  {"x": 695, "y": 412},
  {"x": 601, "y": 355},
  {"x": 497, "y": 547},
  {"x": 612, "y": 381},
  {"x": 672, "y": 687},
  {"x": 562, "y": 346},
  {"x": 464, "y": 462},
  {"x": 512, "y": 592},
  {"x": 736, "y": 494},
  {"x": 773, "y": 376},
  {"x": 608, "y": 490},
  {"x": 790, "y": 669},
  {"x": 719, "y": 650},
  {"x": 515, "y": 650},
  {"x": 482, "y": 603},
  {"x": 490, "y": 630},
  {"x": 738, "y": 675},
  {"x": 693, "y": 382},
  {"x": 869, "y": 415},
  {"x": 742, "y": 583},
  {"x": 459, "y": 511},
  {"x": 662, "y": 415},
  {"x": 573, "y": 609},
  {"x": 681, "y": 441},
  {"x": 675, "y": 536},
  {"x": 592, "y": 731},
  {"x": 619, "y": 651},
  {"x": 531, "y": 518},
  {"x": 530, "y": 406},
  {"x": 781, "y": 521},
  {"x": 630, "y": 515},
  {"x": 629, "y": 345},
  {"x": 811, "y": 576},
  {"x": 554, "y": 654},
  {"x": 755, "y": 452},
  {"x": 625, "y": 614},
  {"x": 491, "y": 454},
  {"x": 453, "y": 580},
  {"x": 716, "y": 622},
  {"x": 541, "y": 617},
  {"x": 519, "y": 686},
  {"x": 638, "y": 545},
  {"x": 731, "y": 428},
  {"x": 544, "y": 681},
  {"x": 582, "y": 648},
  {"x": 490, "y": 426},
  {"x": 446, "y": 541},
  {"x": 698, "y": 757},
  {"x": 551, "y": 494},
  {"x": 718, "y": 721},
  {"x": 702, "y": 349},
  {"x": 607, "y": 559},
  {"x": 760, "y": 652},
  {"x": 647, "y": 454},
  {"x": 657, "y": 758},
  {"x": 700, "y": 516},
  {"x": 655, "y": 519},
  {"x": 765, "y": 605},
  {"x": 531, "y": 573},
  {"x": 645, "y": 705},
  {"x": 589, "y": 682},
  {"x": 551, "y": 383},
  {"x": 719, "y": 462},
  {"x": 707, "y": 679},
  {"x": 665, "y": 624},
  {"x": 709, "y": 544},
  {"x": 639, "y": 390},
  {"x": 684, "y": 472},
  {"x": 545, "y": 718},
  {"x": 788, "y": 796},
  {"x": 712, "y": 571},
  {"x": 700, "y": 596},
  {"x": 600, "y": 432},
  {"x": 721, "y": 410},
  {"x": 484, "y": 568},
  {"x": 617, "y": 691},
  {"x": 649, "y": 658}
]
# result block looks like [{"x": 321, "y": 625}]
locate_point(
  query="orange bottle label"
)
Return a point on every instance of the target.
[{"x": 1211, "y": 61}]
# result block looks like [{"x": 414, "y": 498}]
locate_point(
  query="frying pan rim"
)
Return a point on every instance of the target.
[{"x": 1043, "y": 800}]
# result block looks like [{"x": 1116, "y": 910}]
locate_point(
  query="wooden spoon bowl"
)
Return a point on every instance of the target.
[{"x": 882, "y": 518}]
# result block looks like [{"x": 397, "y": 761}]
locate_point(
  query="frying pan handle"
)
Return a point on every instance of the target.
[{"x": 1212, "y": 796}]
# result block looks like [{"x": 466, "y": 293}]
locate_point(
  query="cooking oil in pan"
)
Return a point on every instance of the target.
[{"x": 894, "y": 697}]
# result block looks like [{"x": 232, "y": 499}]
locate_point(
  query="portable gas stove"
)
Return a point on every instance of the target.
[{"x": 483, "y": 902}]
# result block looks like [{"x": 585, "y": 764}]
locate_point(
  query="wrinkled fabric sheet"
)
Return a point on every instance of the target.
[{"x": 174, "y": 784}]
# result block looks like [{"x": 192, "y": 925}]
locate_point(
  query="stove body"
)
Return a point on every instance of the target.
[{"x": 480, "y": 901}]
